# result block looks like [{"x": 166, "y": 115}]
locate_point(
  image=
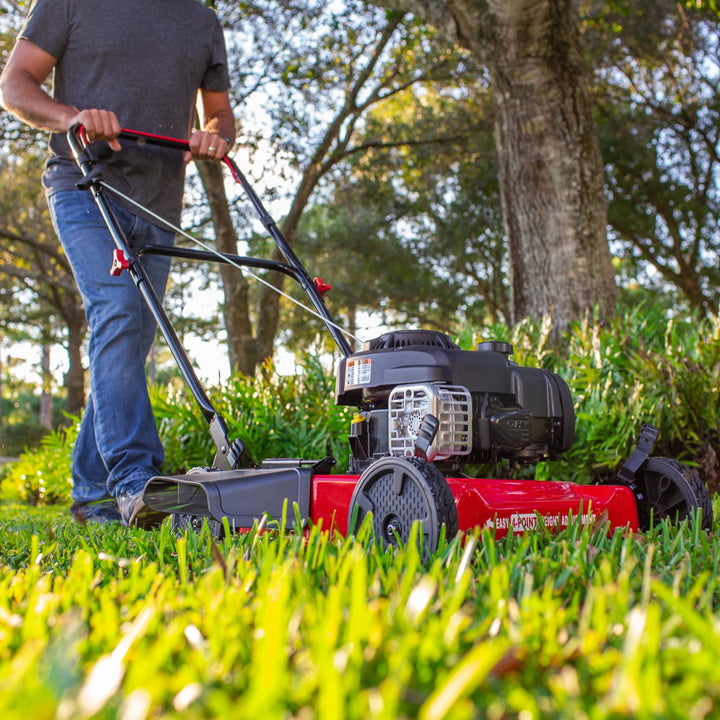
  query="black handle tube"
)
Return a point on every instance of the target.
[{"x": 224, "y": 258}]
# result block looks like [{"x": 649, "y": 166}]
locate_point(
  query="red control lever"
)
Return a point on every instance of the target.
[
  {"x": 322, "y": 286},
  {"x": 119, "y": 263}
]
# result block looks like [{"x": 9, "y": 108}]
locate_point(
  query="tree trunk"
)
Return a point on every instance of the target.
[
  {"x": 550, "y": 168},
  {"x": 74, "y": 379},
  {"x": 236, "y": 309},
  {"x": 46, "y": 399},
  {"x": 551, "y": 172}
]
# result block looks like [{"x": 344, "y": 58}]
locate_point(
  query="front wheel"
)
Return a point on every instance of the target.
[
  {"x": 184, "y": 522},
  {"x": 400, "y": 491},
  {"x": 665, "y": 488}
]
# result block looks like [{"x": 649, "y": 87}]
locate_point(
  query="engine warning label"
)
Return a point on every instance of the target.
[{"x": 358, "y": 371}]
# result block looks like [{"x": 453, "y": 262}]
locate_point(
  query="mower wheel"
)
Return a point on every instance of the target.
[
  {"x": 665, "y": 488},
  {"x": 183, "y": 522},
  {"x": 399, "y": 491}
]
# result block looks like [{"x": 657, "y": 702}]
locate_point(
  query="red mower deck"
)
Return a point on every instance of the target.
[{"x": 497, "y": 504}]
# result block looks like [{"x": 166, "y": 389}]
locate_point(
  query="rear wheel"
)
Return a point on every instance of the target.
[
  {"x": 665, "y": 488},
  {"x": 399, "y": 491},
  {"x": 183, "y": 522}
]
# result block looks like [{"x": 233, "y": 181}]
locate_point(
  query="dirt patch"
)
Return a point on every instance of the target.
[{"x": 709, "y": 468}]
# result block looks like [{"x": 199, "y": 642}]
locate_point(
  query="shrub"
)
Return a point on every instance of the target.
[
  {"x": 42, "y": 476},
  {"x": 274, "y": 415},
  {"x": 640, "y": 368},
  {"x": 15, "y": 438}
]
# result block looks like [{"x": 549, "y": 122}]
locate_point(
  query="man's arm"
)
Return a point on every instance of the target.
[
  {"x": 22, "y": 94},
  {"x": 217, "y": 136}
]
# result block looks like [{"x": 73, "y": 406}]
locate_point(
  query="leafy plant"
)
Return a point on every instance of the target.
[
  {"x": 42, "y": 476},
  {"x": 645, "y": 367},
  {"x": 274, "y": 415}
]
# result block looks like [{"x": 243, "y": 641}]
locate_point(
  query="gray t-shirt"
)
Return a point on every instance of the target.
[{"x": 143, "y": 59}]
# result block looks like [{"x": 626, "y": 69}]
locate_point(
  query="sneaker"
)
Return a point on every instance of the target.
[{"x": 135, "y": 513}]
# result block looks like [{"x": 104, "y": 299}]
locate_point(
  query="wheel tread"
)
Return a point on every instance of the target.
[{"x": 699, "y": 496}]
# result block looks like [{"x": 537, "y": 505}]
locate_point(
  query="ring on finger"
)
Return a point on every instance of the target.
[{"x": 212, "y": 149}]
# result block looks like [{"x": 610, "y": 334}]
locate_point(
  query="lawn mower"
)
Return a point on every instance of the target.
[{"x": 426, "y": 413}]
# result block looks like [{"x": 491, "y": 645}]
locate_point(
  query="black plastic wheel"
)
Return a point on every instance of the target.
[
  {"x": 181, "y": 522},
  {"x": 665, "y": 488},
  {"x": 399, "y": 491}
]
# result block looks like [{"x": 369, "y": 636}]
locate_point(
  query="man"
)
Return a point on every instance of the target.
[{"x": 138, "y": 64}]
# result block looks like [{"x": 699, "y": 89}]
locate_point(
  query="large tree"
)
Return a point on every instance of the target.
[{"x": 550, "y": 168}]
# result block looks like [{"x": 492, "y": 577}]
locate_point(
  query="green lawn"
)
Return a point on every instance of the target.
[{"x": 115, "y": 623}]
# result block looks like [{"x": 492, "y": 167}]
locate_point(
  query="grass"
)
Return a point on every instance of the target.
[{"x": 109, "y": 622}]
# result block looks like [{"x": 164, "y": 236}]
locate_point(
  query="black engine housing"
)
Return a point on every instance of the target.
[{"x": 487, "y": 406}]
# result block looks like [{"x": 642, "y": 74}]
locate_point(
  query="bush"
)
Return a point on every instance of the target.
[
  {"x": 20, "y": 409},
  {"x": 274, "y": 415},
  {"x": 18, "y": 437},
  {"x": 640, "y": 368},
  {"x": 42, "y": 476}
]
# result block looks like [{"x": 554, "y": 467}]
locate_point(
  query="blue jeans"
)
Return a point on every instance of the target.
[{"x": 118, "y": 447}]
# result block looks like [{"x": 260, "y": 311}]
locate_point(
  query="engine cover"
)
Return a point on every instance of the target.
[
  {"x": 451, "y": 405},
  {"x": 486, "y": 406}
]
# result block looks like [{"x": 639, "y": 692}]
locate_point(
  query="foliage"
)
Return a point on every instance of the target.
[
  {"x": 413, "y": 180},
  {"x": 35, "y": 273},
  {"x": 644, "y": 367},
  {"x": 19, "y": 410},
  {"x": 17, "y": 437},
  {"x": 38, "y": 297},
  {"x": 659, "y": 371},
  {"x": 413, "y": 230},
  {"x": 274, "y": 416},
  {"x": 42, "y": 476},
  {"x": 658, "y": 116},
  {"x": 427, "y": 187},
  {"x": 109, "y": 622}
]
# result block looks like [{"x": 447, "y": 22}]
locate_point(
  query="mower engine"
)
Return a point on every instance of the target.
[{"x": 419, "y": 394}]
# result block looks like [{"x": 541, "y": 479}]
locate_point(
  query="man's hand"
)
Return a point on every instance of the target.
[
  {"x": 216, "y": 138},
  {"x": 99, "y": 125},
  {"x": 207, "y": 146}
]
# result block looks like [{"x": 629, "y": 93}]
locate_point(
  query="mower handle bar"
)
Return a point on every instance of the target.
[{"x": 78, "y": 142}]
